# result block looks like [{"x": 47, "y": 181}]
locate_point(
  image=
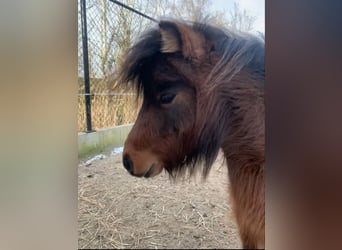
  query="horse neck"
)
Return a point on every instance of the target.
[{"x": 244, "y": 140}]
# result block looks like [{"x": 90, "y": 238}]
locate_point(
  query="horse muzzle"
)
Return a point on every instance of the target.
[{"x": 141, "y": 164}]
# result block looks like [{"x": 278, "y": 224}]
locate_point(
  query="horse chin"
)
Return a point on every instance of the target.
[{"x": 152, "y": 171}]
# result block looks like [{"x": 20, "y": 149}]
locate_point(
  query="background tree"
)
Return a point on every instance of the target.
[
  {"x": 194, "y": 10},
  {"x": 240, "y": 20}
]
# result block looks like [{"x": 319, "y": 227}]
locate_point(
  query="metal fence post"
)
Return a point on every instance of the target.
[{"x": 86, "y": 65}]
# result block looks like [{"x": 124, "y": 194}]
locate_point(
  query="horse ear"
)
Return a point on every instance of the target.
[
  {"x": 181, "y": 37},
  {"x": 170, "y": 37}
]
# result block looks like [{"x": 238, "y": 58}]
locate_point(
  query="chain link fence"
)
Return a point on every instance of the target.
[{"x": 110, "y": 29}]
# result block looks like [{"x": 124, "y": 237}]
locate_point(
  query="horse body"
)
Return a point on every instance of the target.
[{"x": 203, "y": 90}]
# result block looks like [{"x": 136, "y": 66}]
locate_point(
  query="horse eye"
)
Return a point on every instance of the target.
[{"x": 167, "y": 98}]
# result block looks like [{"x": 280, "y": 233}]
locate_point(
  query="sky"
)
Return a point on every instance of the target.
[{"x": 253, "y": 7}]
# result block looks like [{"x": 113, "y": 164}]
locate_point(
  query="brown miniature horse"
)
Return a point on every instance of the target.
[{"x": 203, "y": 90}]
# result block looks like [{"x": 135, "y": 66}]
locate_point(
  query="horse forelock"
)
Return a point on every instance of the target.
[{"x": 132, "y": 72}]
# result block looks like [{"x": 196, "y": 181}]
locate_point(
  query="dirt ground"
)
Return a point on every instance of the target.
[{"x": 117, "y": 210}]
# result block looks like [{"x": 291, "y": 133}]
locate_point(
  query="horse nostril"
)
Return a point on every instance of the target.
[{"x": 128, "y": 164}]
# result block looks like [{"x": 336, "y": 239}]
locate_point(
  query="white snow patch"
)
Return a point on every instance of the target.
[
  {"x": 95, "y": 158},
  {"x": 118, "y": 150}
]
